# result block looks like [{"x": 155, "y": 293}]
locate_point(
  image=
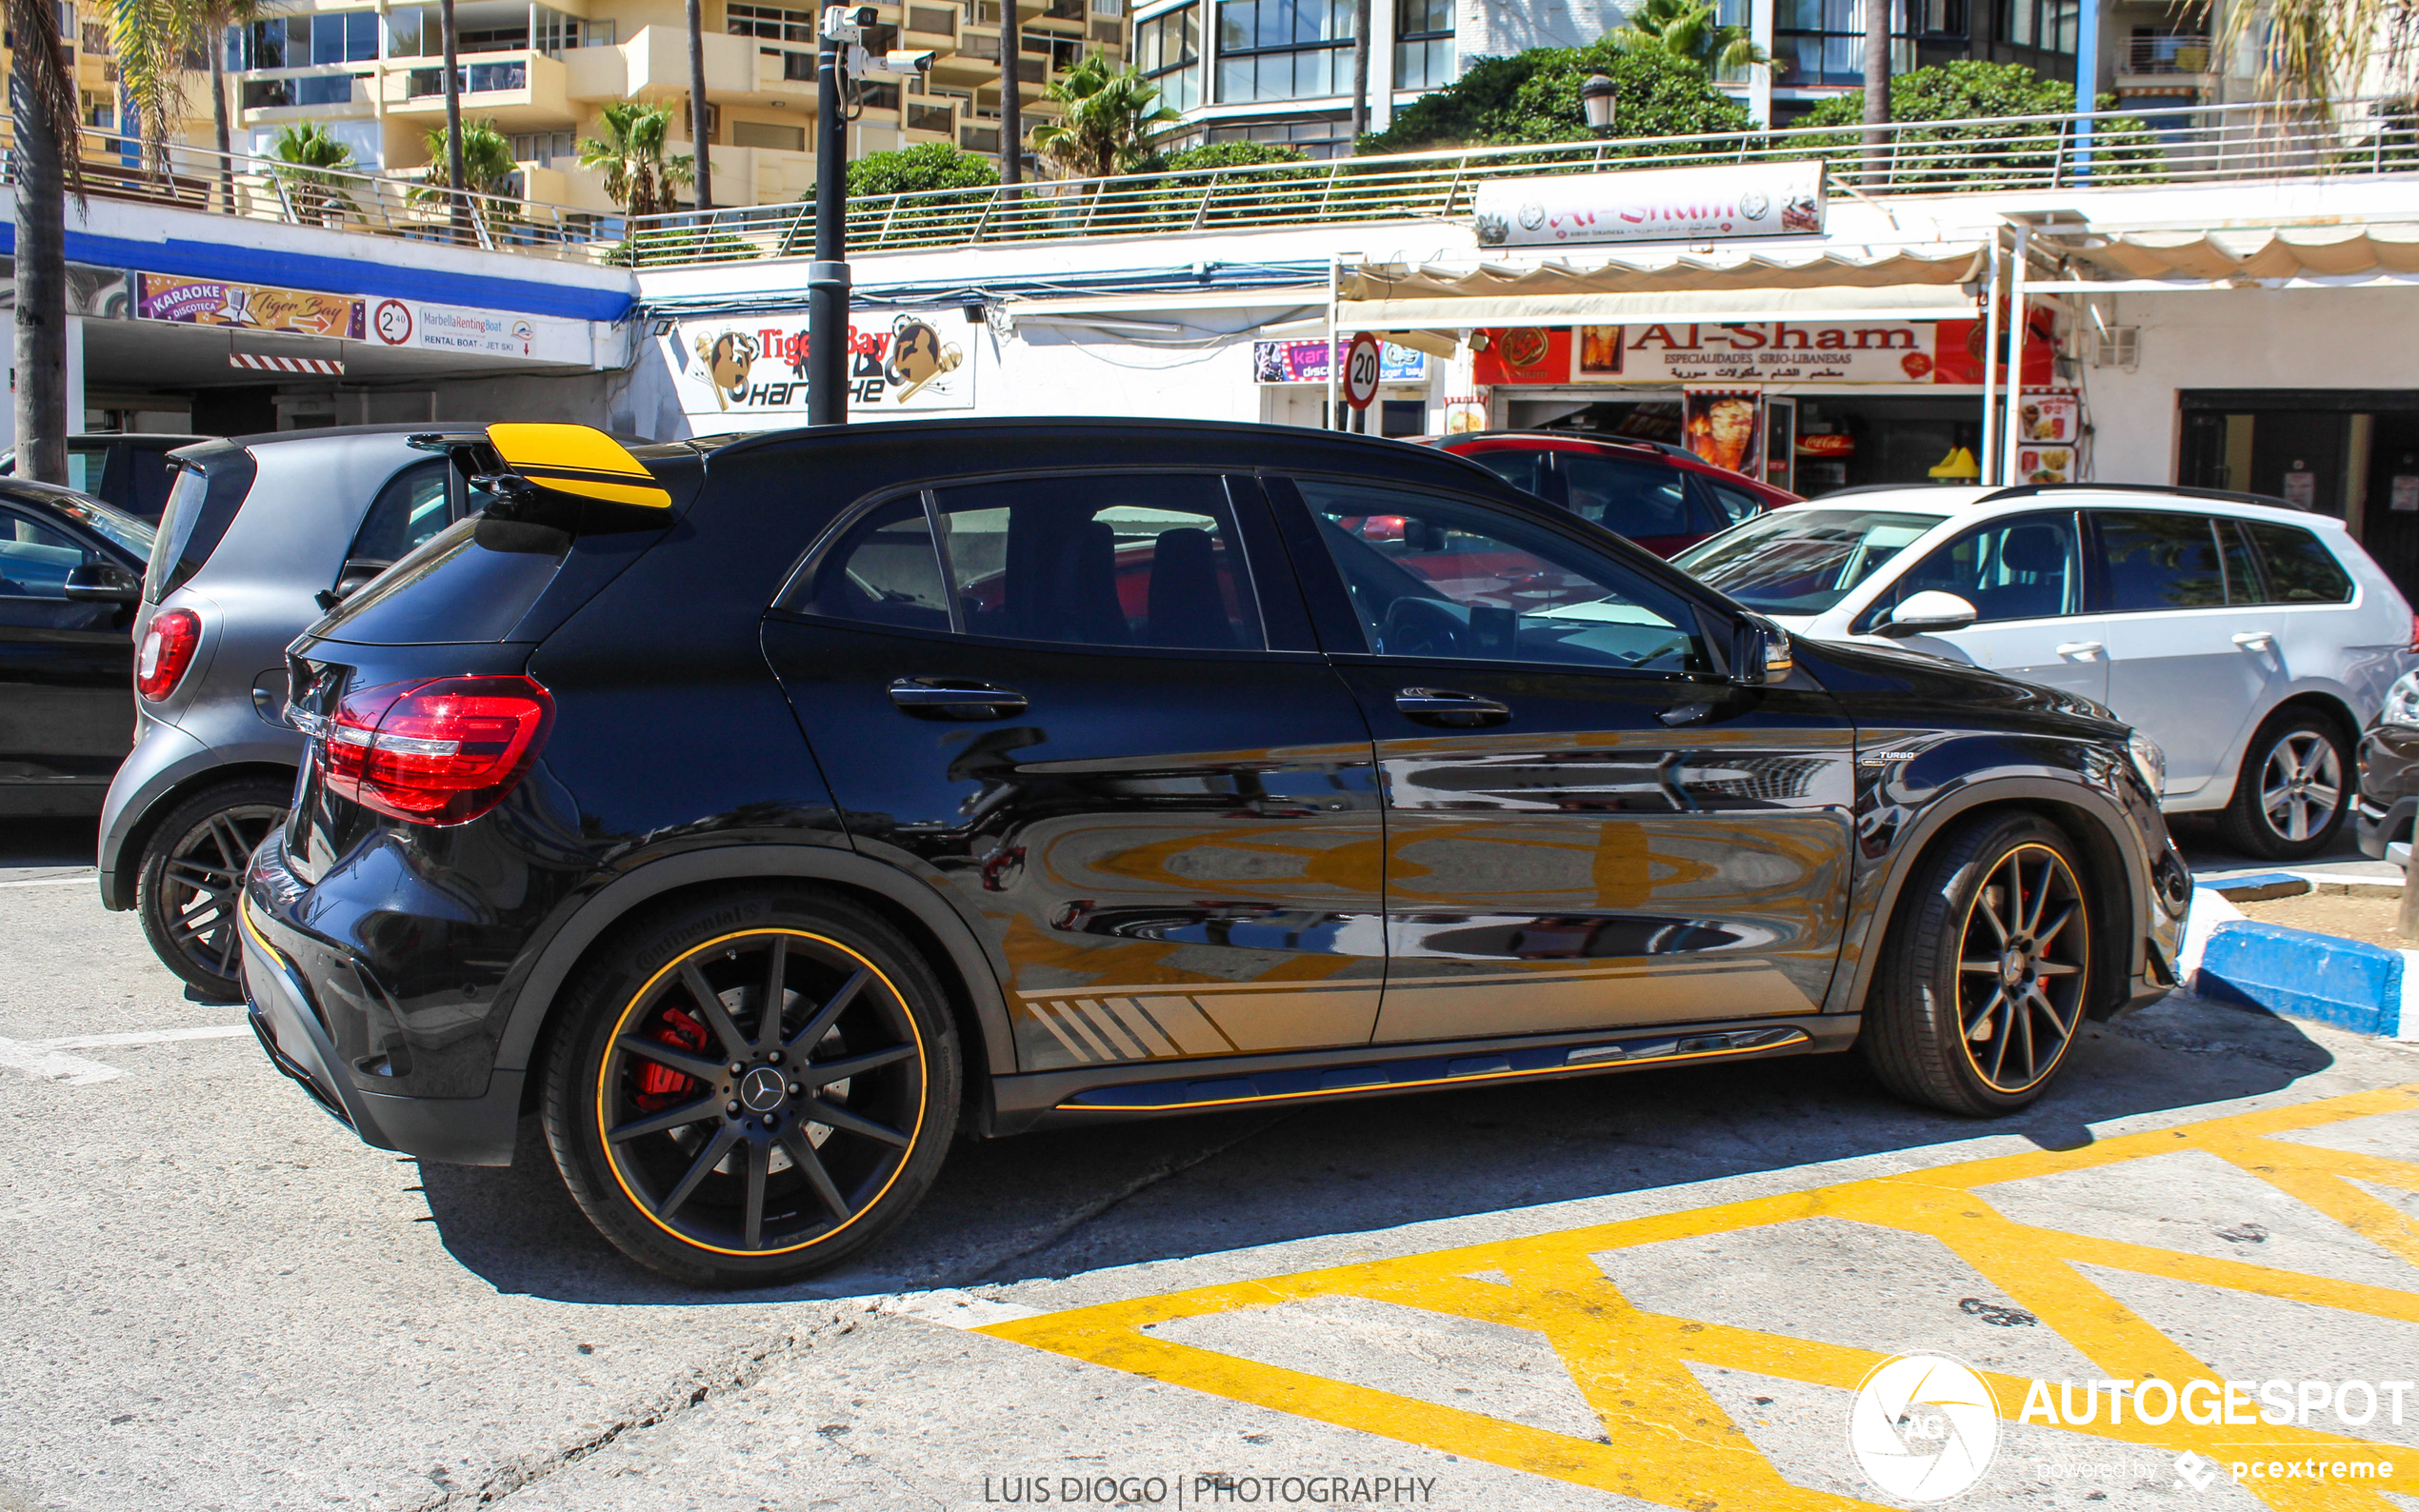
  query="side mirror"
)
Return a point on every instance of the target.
[
  {"x": 356, "y": 576},
  {"x": 1929, "y": 611},
  {"x": 1761, "y": 653},
  {"x": 103, "y": 583}
]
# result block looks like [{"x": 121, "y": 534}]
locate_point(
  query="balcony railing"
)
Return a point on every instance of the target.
[
  {"x": 2168, "y": 54},
  {"x": 475, "y": 78},
  {"x": 2127, "y": 149}
]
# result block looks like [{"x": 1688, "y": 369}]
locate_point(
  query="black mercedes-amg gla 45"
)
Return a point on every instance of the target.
[{"x": 763, "y": 813}]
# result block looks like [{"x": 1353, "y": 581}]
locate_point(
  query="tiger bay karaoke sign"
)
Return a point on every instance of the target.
[
  {"x": 732, "y": 367},
  {"x": 1653, "y": 205}
]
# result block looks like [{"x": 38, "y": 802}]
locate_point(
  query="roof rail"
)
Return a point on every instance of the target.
[{"x": 2027, "y": 489}]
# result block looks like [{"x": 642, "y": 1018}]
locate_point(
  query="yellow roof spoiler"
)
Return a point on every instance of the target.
[{"x": 578, "y": 460}]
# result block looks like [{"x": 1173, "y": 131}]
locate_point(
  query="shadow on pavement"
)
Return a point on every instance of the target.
[{"x": 1056, "y": 1203}]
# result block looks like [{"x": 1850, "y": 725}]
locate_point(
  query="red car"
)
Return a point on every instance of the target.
[{"x": 1663, "y": 499}]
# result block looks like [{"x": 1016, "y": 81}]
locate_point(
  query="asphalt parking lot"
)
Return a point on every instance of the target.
[{"x": 1651, "y": 1290}]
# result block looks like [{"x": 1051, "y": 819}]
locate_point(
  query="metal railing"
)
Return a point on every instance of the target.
[
  {"x": 118, "y": 166},
  {"x": 2216, "y": 144}
]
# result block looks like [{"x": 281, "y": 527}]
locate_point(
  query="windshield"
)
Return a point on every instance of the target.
[
  {"x": 110, "y": 525},
  {"x": 1800, "y": 560}
]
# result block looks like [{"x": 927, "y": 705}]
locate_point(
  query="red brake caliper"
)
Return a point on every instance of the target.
[{"x": 658, "y": 1083}]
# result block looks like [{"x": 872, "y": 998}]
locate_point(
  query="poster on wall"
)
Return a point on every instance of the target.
[
  {"x": 899, "y": 362},
  {"x": 1651, "y": 204},
  {"x": 1305, "y": 361},
  {"x": 1725, "y": 426},
  {"x": 1463, "y": 416},
  {"x": 248, "y": 307},
  {"x": 484, "y": 332},
  {"x": 1667, "y": 354}
]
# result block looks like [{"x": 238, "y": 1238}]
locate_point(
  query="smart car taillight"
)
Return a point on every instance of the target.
[
  {"x": 167, "y": 650},
  {"x": 441, "y": 752}
]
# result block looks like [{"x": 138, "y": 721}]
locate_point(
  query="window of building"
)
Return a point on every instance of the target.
[
  {"x": 262, "y": 45},
  {"x": 770, "y": 23},
  {"x": 543, "y": 147},
  {"x": 412, "y": 32},
  {"x": 493, "y": 39},
  {"x": 326, "y": 90},
  {"x": 2049, "y": 24},
  {"x": 557, "y": 34},
  {"x": 1423, "y": 43},
  {"x": 1062, "y": 51},
  {"x": 798, "y": 68},
  {"x": 1168, "y": 50},
  {"x": 931, "y": 118},
  {"x": 770, "y": 134},
  {"x": 983, "y": 12},
  {"x": 934, "y": 20},
  {"x": 1822, "y": 42},
  {"x": 1322, "y": 137},
  {"x": 1941, "y": 18},
  {"x": 879, "y": 96},
  {"x": 1283, "y": 50}
]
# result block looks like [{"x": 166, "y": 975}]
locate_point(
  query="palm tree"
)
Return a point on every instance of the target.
[
  {"x": 1359, "y": 70},
  {"x": 638, "y": 175},
  {"x": 1876, "y": 81},
  {"x": 449, "y": 40},
  {"x": 2317, "y": 51},
  {"x": 214, "y": 19},
  {"x": 1687, "y": 29},
  {"x": 47, "y": 160},
  {"x": 1011, "y": 101},
  {"x": 1104, "y": 126},
  {"x": 311, "y": 161},
  {"x": 699, "y": 111},
  {"x": 487, "y": 168},
  {"x": 151, "y": 38}
]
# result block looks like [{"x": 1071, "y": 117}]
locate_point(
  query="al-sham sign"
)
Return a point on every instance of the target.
[
  {"x": 734, "y": 367},
  {"x": 1653, "y": 205}
]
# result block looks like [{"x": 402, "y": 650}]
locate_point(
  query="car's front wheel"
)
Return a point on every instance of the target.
[
  {"x": 752, "y": 1087},
  {"x": 2293, "y": 791},
  {"x": 1987, "y": 971},
  {"x": 192, "y": 873}
]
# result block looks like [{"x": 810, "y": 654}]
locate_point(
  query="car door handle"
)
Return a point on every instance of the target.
[
  {"x": 2255, "y": 639},
  {"x": 955, "y": 698},
  {"x": 1442, "y": 705},
  {"x": 2082, "y": 651}
]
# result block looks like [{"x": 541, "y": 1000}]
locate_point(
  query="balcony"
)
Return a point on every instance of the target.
[
  {"x": 272, "y": 97},
  {"x": 519, "y": 91},
  {"x": 2166, "y": 64},
  {"x": 653, "y": 66}
]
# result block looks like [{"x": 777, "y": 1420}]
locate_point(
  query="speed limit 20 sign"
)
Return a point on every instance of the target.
[{"x": 1360, "y": 371}]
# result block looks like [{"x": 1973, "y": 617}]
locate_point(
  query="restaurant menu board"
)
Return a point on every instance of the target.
[
  {"x": 2051, "y": 428},
  {"x": 1725, "y": 426},
  {"x": 1675, "y": 353}
]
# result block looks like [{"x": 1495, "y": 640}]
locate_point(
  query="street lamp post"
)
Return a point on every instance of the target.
[
  {"x": 827, "y": 275},
  {"x": 1596, "y": 102}
]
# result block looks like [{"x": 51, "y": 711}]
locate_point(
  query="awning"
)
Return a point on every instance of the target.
[
  {"x": 1427, "y": 341},
  {"x": 1837, "y": 283},
  {"x": 2387, "y": 252}
]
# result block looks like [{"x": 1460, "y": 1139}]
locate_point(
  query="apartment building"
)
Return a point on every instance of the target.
[
  {"x": 1281, "y": 71},
  {"x": 372, "y": 75}
]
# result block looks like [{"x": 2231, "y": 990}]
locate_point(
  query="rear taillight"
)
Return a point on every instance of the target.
[
  {"x": 166, "y": 651},
  {"x": 435, "y": 753}
]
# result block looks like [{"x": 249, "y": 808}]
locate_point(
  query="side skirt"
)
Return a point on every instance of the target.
[{"x": 1059, "y": 1099}]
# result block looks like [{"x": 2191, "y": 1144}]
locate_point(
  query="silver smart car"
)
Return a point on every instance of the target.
[{"x": 260, "y": 537}]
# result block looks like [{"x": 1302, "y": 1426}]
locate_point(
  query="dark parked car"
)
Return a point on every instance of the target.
[
  {"x": 2387, "y": 798},
  {"x": 131, "y": 472},
  {"x": 261, "y": 535},
  {"x": 763, "y": 812},
  {"x": 1660, "y": 497},
  {"x": 70, "y": 572}
]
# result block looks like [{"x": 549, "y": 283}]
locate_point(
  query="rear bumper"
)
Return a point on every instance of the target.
[{"x": 303, "y": 1043}]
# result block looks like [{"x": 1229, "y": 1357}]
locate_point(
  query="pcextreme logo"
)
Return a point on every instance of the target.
[{"x": 1924, "y": 1427}]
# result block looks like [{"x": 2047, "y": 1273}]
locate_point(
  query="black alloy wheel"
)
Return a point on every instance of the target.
[
  {"x": 753, "y": 1094},
  {"x": 192, "y": 876},
  {"x": 1987, "y": 973},
  {"x": 2293, "y": 789}
]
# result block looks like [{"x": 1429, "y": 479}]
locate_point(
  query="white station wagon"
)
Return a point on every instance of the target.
[{"x": 2252, "y": 643}]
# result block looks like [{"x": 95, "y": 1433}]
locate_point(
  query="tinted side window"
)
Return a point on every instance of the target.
[
  {"x": 1103, "y": 560},
  {"x": 1735, "y": 504},
  {"x": 409, "y": 509},
  {"x": 2026, "y": 567},
  {"x": 1519, "y": 469},
  {"x": 2300, "y": 568},
  {"x": 2159, "y": 562},
  {"x": 883, "y": 572},
  {"x": 1628, "y": 498},
  {"x": 200, "y": 508},
  {"x": 1449, "y": 578},
  {"x": 150, "y": 476},
  {"x": 35, "y": 559}
]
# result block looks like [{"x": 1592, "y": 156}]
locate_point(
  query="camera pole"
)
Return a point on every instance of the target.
[{"x": 827, "y": 275}]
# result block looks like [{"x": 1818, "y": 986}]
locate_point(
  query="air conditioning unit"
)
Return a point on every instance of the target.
[{"x": 2117, "y": 347}]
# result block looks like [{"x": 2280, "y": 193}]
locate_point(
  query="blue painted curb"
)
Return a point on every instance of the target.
[{"x": 2347, "y": 982}]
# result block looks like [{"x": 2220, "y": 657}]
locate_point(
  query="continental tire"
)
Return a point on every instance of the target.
[
  {"x": 1986, "y": 970},
  {"x": 192, "y": 873},
  {"x": 727, "y": 1146}
]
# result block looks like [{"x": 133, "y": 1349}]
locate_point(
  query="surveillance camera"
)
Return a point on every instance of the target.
[
  {"x": 866, "y": 15},
  {"x": 840, "y": 23},
  {"x": 908, "y": 62}
]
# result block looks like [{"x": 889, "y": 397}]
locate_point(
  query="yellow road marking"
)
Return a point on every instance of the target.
[{"x": 1668, "y": 1441}]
